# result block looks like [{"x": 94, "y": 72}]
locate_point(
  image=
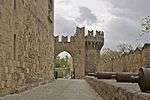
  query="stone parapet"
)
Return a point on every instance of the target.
[{"x": 111, "y": 90}]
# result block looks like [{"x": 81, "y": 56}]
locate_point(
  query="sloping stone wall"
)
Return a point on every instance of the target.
[
  {"x": 111, "y": 90},
  {"x": 26, "y": 42}
]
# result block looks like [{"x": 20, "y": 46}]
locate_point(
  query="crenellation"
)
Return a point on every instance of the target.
[
  {"x": 56, "y": 38},
  {"x": 90, "y": 33},
  {"x": 98, "y": 33},
  {"x": 64, "y": 39},
  {"x": 80, "y": 31}
]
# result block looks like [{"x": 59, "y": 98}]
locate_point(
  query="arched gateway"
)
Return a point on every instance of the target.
[{"x": 83, "y": 49}]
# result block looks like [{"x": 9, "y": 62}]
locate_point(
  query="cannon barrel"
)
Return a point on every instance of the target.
[
  {"x": 127, "y": 77},
  {"x": 142, "y": 77},
  {"x": 106, "y": 75},
  {"x": 103, "y": 75},
  {"x": 92, "y": 74}
]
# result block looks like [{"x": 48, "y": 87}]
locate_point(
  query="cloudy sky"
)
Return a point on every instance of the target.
[{"x": 119, "y": 19}]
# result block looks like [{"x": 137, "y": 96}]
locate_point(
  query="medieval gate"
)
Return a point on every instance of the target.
[{"x": 83, "y": 49}]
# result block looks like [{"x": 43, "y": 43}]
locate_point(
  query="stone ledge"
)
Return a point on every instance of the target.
[{"x": 111, "y": 90}]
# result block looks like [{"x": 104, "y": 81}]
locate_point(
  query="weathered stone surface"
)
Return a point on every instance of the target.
[
  {"x": 26, "y": 42},
  {"x": 111, "y": 90},
  {"x": 58, "y": 90}
]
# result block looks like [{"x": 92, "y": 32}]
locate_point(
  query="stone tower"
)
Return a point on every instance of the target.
[{"x": 93, "y": 45}]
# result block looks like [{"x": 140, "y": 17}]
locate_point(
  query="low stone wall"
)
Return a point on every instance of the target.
[{"x": 111, "y": 90}]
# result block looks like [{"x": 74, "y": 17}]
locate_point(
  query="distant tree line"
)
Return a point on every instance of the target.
[{"x": 109, "y": 54}]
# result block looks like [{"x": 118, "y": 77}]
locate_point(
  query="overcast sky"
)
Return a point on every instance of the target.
[{"x": 119, "y": 19}]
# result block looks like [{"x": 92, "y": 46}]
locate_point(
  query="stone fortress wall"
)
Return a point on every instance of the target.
[
  {"x": 129, "y": 62},
  {"x": 26, "y": 42},
  {"x": 94, "y": 41}
]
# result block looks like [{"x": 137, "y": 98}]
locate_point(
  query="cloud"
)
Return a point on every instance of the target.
[
  {"x": 126, "y": 24},
  {"x": 131, "y": 8},
  {"x": 121, "y": 30},
  {"x": 64, "y": 26},
  {"x": 120, "y": 19},
  {"x": 86, "y": 16}
]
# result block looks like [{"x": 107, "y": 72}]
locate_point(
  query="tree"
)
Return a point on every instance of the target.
[
  {"x": 125, "y": 48},
  {"x": 146, "y": 25},
  {"x": 109, "y": 55},
  {"x": 62, "y": 62}
]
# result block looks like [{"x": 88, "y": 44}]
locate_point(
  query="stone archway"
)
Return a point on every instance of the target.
[
  {"x": 64, "y": 66},
  {"x": 77, "y": 53},
  {"x": 83, "y": 49}
]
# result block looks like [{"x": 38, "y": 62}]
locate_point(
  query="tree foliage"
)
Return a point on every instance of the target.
[
  {"x": 109, "y": 55},
  {"x": 125, "y": 48},
  {"x": 62, "y": 62},
  {"x": 146, "y": 24}
]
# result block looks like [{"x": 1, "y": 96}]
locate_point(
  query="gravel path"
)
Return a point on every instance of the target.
[{"x": 58, "y": 90}]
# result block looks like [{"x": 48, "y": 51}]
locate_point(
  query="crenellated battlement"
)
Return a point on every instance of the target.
[
  {"x": 63, "y": 39},
  {"x": 93, "y": 39},
  {"x": 96, "y": 34}
]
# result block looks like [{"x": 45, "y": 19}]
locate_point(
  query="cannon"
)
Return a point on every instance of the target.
[
  {"x": 142, "y": 77},
  {"x": 103, "y": 75}
]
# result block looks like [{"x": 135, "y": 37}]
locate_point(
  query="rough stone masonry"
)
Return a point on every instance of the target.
[{"x": 26, "y": 42}]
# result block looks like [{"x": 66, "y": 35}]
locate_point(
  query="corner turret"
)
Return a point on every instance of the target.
[{"x": 94, "y": 42}]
